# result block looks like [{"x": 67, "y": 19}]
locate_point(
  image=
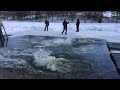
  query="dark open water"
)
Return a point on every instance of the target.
[{"x": 55, "y": 57}]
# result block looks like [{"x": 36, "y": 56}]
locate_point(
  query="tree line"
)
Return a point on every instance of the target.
[{"x": 56, "y": 15}]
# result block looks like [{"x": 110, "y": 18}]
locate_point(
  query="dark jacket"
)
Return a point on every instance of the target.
[
  {"x": 65, "y": 23},
  {"x": 47, "y": 23},
  {"x": 77, "y": 23}
]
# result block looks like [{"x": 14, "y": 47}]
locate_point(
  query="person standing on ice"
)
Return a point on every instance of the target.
[
  {"x": 65, "y": 27},
  {"x": 1, "y": 34},
  {"x": 46, "y": 25},
  {"x": 77, "y": 25}
]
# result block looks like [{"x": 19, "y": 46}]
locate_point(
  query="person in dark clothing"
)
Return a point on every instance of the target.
[
  {"x": 46, "y": 25},
  {"x": 77, "y": 25},
  {"x": 1, "y": 34},
  {"x": 65, "y": 26}
]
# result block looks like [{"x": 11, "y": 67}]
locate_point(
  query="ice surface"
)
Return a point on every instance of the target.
[
  {"x": 114, "y": 51},
  {"x": 108, "y": 31}
]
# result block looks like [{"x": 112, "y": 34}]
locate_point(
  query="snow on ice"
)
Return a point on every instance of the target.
[{"x": 108, "y": 31}]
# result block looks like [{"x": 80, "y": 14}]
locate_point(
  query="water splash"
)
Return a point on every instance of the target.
[
  {"x": 57, "y": 42},
  {"x": 44, "y": 59}
]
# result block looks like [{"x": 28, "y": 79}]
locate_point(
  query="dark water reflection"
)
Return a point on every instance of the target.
[{"x": 84, "y": 58}]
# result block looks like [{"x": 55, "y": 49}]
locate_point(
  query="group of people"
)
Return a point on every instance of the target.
[{"x": 65, "y": 23}]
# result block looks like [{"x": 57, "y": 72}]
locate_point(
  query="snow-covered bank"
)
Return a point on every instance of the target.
[{"x": 108, "y": 31}]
